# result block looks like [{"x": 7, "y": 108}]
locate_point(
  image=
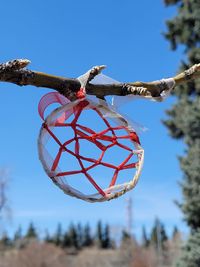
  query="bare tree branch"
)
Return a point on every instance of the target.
[{"x": 15, "y": 72}]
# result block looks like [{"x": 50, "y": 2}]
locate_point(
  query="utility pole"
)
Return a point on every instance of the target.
[{"x": 129, "y": 216}]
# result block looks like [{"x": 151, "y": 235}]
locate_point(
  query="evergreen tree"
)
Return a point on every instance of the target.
[
  {"x": 184, "y": 120},
  {"x": 125, "y": 236},
  {"x": 99, "y": 235},
  {"x": 87, "y": 238},
  {"x": 106, "y": 242},
  {"x": 18, "y": 240},
  {"x": 18, "y": 234},
  {"x": 47, "y": 237},
  {"x": 176, "y": 237},
  {"x": 145, "y": 239},
  {"x": 66, "y": 242},
  {"x": 103, "y": 236},
  {"x": 176, "y": 240},
  {"x": 175, "y": 232},
  {"x": 57, "y": 239},
  {"x": 80, "y": 235},
  {"x": 5, "y": 241},
  {"x": 31, "y": 232},
  {"x": 73, "y": 236},
  {"x": 158, "y": 236},
  {"x": 191, "y": 252}
]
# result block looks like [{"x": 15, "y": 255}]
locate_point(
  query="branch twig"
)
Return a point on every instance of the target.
[{"x": 15, "y": 72}]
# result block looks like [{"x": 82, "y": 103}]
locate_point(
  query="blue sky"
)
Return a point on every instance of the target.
[{"x": 67, "y": 38}]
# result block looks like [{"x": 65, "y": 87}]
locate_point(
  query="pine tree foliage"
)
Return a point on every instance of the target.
[
  {"x": 103, "y": 236},
  {"x": 5, "y": 241},
  {"x": 180, "y": 26},
  {"x": 18, "y": 234},
  {"x": 158, "y": 236},
  {"x": 66, "y": 241},
  {"x": 80, "y": 235},
  {"x": 77, "y": 236},
  {"x": 145, "y": 239},
  {"x": 31, "y": 232},
  {"x": 87, "y": 238},
  {"x": 191, "y": 252},
  {"x": 73, "y": 236},
  {"x": 57, "y": 239},
  {"x": 184, "y": 118},
  {"x": 99, "y": 234},
  {"x": 125, "y": 236},
  {"x": 171, "y": 2},
  {"x": 47, "y": 237},
  {"x": 106, "y": 242},
  {"x": 175, "y": 232}
]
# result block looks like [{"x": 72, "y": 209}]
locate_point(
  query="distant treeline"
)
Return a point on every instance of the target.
[{"x": 79, "y": 236}]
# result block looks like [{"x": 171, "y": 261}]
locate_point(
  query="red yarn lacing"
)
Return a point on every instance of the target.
[
  {"x": 81, "y": 93},
  {"x": 81, "y": 132}
]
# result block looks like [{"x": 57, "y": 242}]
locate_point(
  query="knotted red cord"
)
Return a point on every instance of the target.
[
  {"x": 82, "y": 132},
  {"x": 81, "y": 93}
]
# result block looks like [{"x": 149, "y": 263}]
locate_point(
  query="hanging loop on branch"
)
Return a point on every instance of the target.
[
  {"x": 116, "y": 133},
  {"x": 110, "y": 137}
]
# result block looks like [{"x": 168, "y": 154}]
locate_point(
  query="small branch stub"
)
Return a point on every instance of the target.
[{"x": 14, "y": 65}]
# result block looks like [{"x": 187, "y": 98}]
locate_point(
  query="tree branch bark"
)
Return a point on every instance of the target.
[{"x": 15, "y": 72}]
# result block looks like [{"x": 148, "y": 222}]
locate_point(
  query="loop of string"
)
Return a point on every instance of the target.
[{"x": 110, "y": 134}]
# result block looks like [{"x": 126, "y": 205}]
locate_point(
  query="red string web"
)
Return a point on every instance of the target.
[{"x": 109, "y": 134}]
